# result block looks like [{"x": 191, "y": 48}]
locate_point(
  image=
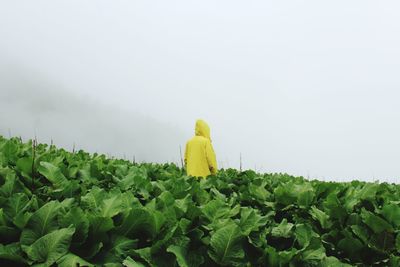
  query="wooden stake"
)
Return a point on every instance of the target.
[
  {"x": 33, "y": 163},
  {"x": 240, "y": 162},
  {"x": 180, "y": 153}
]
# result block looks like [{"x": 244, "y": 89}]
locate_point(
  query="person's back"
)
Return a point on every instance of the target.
[{"x": 200, "y": 158}]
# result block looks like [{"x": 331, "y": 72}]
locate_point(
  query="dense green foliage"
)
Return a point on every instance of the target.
[{"x": 76, "y": 209}]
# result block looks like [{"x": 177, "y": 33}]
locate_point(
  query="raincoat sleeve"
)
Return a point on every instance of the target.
[{"x": 211, "y": 158}]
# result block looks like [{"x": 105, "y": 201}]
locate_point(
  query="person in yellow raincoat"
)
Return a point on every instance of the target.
[{"x": 200, "y": 159}]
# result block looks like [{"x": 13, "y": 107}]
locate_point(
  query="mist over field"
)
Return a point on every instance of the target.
[
  {"x": 307, "y": 88},
  {"x": 31, "y": 106}
]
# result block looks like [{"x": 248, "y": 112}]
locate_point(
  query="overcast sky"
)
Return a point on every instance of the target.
[{"x": 309, "y": 88}]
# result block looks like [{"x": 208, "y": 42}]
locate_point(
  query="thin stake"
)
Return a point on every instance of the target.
[
  {"x": 33, "y": 163},
  {"x": 180, "y": 153},
  {"x": 73, "y": 148},
  {"x": 240, "y": 161}
]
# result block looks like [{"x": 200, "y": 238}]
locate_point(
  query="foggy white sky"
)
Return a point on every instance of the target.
[{"x": 305, "y": 87}]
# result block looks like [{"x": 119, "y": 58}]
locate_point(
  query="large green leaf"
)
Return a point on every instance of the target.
[
  {"x": 258, "y": 192},
  {"x": 9, "y": 150},
  {"x": 305, "y": 194},
  {"x": 250, "y": 220},
  {"x": 49, "y": 248},
  {"x": 120, "y": 247},
  {"x": 184, "y": 257},
  {"x": 17, "y": 203},
  {"x": 392, "y": 213},
  {"x": 53, "y": 174},
  {"x": 304, "y": 233},
  {"x": 217, "y": 209},
  {"x": 12, "y": 252},
  {"x": 361, "y": 232},
  {"x": 333, "y": 262},
  {"x": 376, "y": 223},
  {"x": 76, "y": 217},
  {"x": 350, "y": 245},
  {"x": 334, "y": 208},
  {"x": 42, "y": 222},
  {"x": 284, "y": 195},
  {"x": 72, "y": 260},
  {"x": 24, "y": 165},
  {"x": 129, "y": 262},
  {"x": 12, "y": 184},
  {"x": 278, "y": 258},
  {"x": 226, "y": 245},
  {"x": 138, "y": 221},
  {"x": 320, "y": 216},
  {"x": 93, "y": 199},
  {"x": 112, "y": 206},
  {"x": 315, "y": 251},
  {"x": 284, "y": 229}
]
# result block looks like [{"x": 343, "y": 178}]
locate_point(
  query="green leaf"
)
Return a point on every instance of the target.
[
  {"x": 368, "y": 192},
  {"x": 9, "y": 151},
  {"x": 129, "y": 262},
  {"x": 12, "y": 184},
  {"x": 226, "y": 245},
  {"x": 42, "y": 222},
  {"x": 17, "y": 203},
  {"x": 53, "y": 174},
  {"x": 383, "y": 241},
  {"x": 334, "y": 208},
  {"x": 184, "y": 257},
  {"x": 79, "y": 220},
  {"x": 351, "y": 246},
  {"x": 333, "y": 262},
  {"x": 120, "y": 246},
  {"x": 278, "y": 258},
  {"x": 93, "y": 199},
  {"x": 258, "y": 192},
  {"x": 361, "y": 232},
  {"x": 284, "y": 229},
  {"x": 72, "y": 260},
  {"x": 12, "y": 252},
  {"x": 376, "y": 223},
  {"x": 303, "y": 234},
  {"x": 305, "y": 194},
  {"x": 250, "y": 220},
  {"x": 217, "y": 209},
  {"x": 112, "y": 206},
  {"x": 320, "y": 216},
  {"x": 138, "y": 221},
  {"x": 394, "y": 261},
  {"x": 315, "y": 251},
  {"x": 144, "y": 254},
  {"x": 392, "y": 213},
  {"x": 99, "y": 225},
  {"x": 284, "y": 195},
  {"x": 24, "y": 165},
  {"x": 49, "y": 248}
]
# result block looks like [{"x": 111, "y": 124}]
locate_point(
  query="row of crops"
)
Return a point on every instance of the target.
[{"x": 59, "y": 208}]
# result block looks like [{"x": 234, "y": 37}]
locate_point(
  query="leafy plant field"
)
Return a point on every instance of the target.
[{"x": 75, "y": 209}]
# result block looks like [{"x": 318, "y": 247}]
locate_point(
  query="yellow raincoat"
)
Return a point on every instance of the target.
[{"x": 200, "y": 160}]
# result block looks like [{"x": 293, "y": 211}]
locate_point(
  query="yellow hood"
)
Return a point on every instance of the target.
[{"x": 202, "y": 129}]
